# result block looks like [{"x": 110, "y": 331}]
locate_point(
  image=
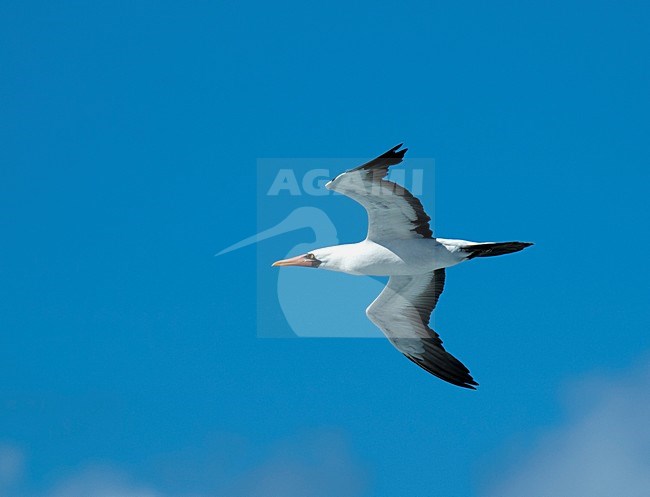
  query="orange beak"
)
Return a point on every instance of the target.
[{"x": 301, "y": 260}]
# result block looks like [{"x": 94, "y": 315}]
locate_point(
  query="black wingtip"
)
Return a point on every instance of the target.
[
  {"x": 470, "y": 384},
  {"x": 461, "y": 377},
  {"x": 396, "y": 151},
  {"x": 385, "y": 160}
]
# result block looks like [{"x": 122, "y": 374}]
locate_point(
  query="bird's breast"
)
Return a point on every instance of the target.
[{"x": 401, "y": 257}]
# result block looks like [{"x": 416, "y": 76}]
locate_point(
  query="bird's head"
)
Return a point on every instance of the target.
[{"x": 324, "y": 258}]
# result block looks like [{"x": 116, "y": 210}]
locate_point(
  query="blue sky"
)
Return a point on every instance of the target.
[{"x": 130, "y": 361}]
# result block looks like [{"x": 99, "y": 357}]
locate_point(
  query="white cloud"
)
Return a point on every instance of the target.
[
  {"x": 101, "y": 482},
  {"x": 602, "y": 450},
  {"x": 311, "y": 465},
  {"x": 12, "y": 462}
]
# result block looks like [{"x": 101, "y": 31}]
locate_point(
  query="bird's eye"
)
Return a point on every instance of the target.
[{"x": 311, "y": 256}]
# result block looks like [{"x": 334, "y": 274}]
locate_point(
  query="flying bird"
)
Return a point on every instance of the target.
[{"x": 400, "y": 244}]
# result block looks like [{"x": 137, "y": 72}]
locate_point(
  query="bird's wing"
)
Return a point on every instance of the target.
[
  {"x": 403, "y": 310},
  {"x": 393, "y": 211}
]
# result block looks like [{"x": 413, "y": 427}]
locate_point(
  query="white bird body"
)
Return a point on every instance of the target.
[
  {"x": 390, "y": 258},
  {"x": 400, "y": 244}
]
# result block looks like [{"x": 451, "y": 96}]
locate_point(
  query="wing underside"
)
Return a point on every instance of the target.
[
  {"x": 393, "y": 212},
  {"x": 402, "y": 311}
]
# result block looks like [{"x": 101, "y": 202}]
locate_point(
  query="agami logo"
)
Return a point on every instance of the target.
[
  {"x": 295, "y": 214},
  {"x": 314, "y": 180}
]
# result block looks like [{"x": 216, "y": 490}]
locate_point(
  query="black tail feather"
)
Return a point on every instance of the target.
[{"x": 492, "y": 249}]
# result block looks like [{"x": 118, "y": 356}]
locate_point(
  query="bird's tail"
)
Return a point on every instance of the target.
[{"x": 490, "y": 249}]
